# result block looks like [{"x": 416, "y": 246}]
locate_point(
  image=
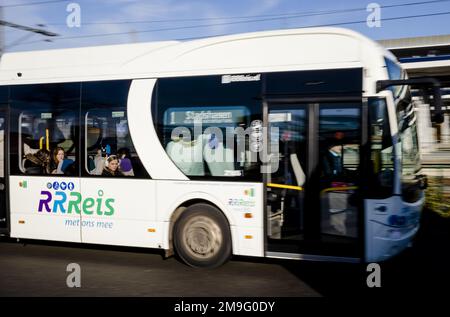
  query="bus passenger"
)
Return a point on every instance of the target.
[
  {"x": 59, "y": 163},
  {"x": 126, "y": 167},
  {"x": 333, "y": 161},
  {"x": 112, "y": 167}
]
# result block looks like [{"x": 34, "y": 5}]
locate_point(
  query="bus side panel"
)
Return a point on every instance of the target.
[
  {"x": 123, "y": 212},
  {"x": 241, "y": 203},
  {"x": 45, "y": 208}
]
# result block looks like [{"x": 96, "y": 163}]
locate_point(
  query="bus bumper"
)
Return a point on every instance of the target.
[
  {"x": 386, "y": 247},
  {"x": 390, "y": 230}
]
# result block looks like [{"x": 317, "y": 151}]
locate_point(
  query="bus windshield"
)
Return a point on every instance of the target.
[
  {"x": 407, "y": 124},
  {"x": 407, "y": 134},
  {"x": 410, "y": 156}
]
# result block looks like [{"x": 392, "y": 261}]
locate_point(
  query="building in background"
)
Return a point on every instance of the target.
[{"x": 428, "y": 56}]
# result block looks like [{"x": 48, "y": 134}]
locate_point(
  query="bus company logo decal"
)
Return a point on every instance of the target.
[
  {"x": 249, "y": 192},
  {"x": 62, "y": 185},
  {"x": 241, "y": 202},
  {"x": 23, "y": 184},
  {"x": 73, "y": 202}
]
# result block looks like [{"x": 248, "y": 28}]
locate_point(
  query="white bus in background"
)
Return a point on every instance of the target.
[{"x": 340, "y": 181}]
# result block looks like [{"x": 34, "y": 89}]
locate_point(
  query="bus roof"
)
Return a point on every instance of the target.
[{"x": 279, "y": 50}]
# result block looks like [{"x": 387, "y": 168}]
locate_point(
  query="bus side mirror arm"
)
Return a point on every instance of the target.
[{"x": 438, "y": 116}]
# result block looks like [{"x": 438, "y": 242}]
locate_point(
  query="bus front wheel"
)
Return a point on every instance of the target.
[{"x": 202, "y": 237}]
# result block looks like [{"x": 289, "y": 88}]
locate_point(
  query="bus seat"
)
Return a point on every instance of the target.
[
  {"x": 298, "y": 171},
  {"x": 99, "y": 163}
]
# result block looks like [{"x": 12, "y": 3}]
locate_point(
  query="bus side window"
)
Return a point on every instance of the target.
[
  {"x": 107, "y": 135},
  {"x": 47, "y": 119},
  {"x": 40, "y": 137},
  {"x": 104, "y": 109},
  {"x": 220, "y": 123}
]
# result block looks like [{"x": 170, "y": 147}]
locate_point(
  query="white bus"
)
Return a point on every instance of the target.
[{"x": 269, "y": 144}]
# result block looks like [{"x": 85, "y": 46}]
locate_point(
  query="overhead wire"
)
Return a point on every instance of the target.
[{"x": 265, "y": 19}]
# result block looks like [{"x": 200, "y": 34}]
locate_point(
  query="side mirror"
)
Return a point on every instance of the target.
[{"x": 424, "y": 83}]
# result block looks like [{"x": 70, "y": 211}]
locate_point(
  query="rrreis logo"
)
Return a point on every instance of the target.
[
  {"x": 236, "y": 202},
  {"x": 66, "y": 200}
]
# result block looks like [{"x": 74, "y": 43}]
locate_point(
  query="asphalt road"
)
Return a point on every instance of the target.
[{"x": 39, "y": 269}]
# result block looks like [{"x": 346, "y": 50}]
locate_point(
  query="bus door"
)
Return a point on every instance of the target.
[
  {"x": 312, "y": 204},
  {"x": 3, "y": 173}
]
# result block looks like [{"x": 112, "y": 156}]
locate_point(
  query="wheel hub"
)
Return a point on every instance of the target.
[{"x": 203, "y": 237}]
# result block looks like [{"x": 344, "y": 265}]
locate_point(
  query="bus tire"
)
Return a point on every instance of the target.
[{"x": 202, "y": 237}]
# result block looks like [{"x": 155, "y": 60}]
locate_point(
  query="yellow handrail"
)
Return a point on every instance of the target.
[
  {"x": 46, "y": 140},
  {"x": 299, "y": 188},
  {"x": 332, "y": 189}
]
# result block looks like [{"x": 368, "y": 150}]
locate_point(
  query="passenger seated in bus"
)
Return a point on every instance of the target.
[
  {"x": 126, "y": 167},
  {"x": 59, "y": 163},
  {"x": 112, "y": 167},
  {"x": 38, "y": 163}
]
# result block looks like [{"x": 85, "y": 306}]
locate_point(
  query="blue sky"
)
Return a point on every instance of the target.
[{"x": 215, "y": 17}]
